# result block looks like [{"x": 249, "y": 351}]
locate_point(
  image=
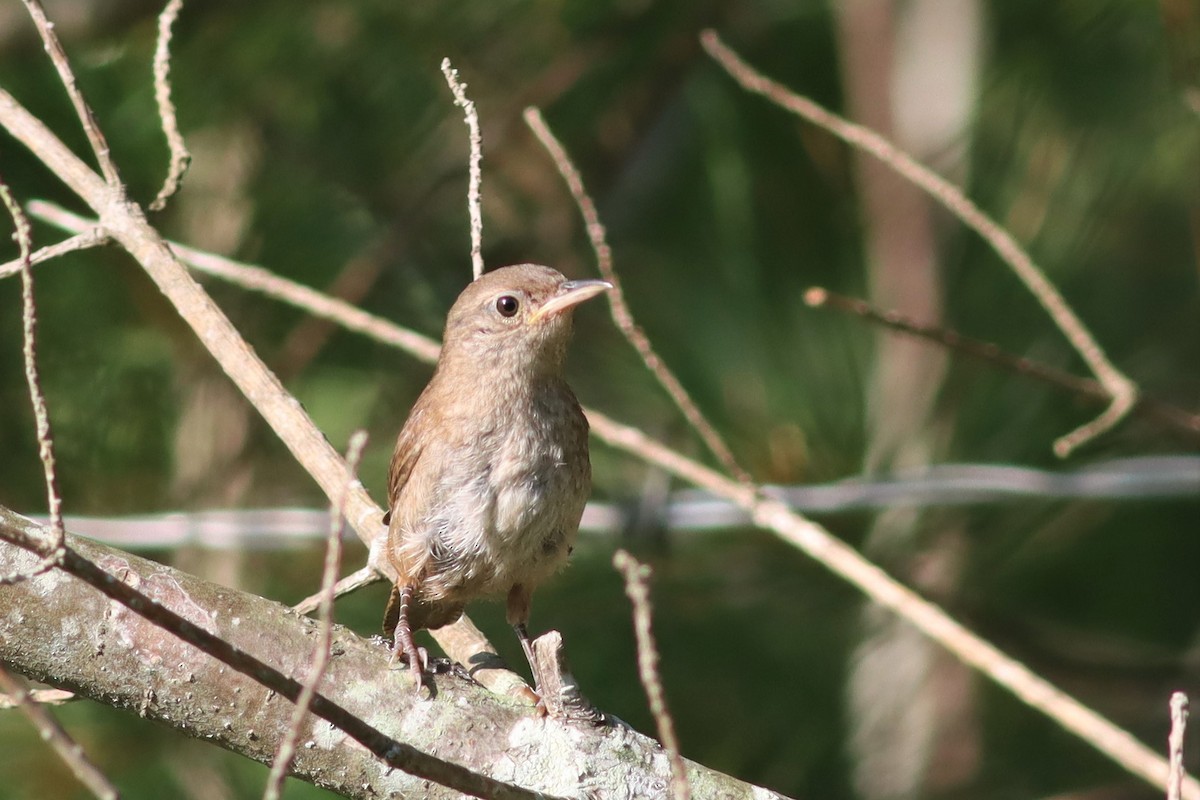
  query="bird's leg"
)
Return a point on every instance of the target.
[
  {"x": 403, "y": 645},
  {"x": 520, "y": 598}
]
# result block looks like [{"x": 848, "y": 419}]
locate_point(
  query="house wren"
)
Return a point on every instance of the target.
[{"x": 491, "y": 470}]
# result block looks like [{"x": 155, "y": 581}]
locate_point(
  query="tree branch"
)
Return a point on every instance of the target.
[{"x": 58, "y": 630}]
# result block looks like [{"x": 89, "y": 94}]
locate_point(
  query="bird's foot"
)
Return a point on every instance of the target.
[{"x": 414, "y": 657}]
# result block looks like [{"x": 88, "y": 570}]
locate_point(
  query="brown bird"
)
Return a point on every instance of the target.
[{"x": 491, "y": 470}]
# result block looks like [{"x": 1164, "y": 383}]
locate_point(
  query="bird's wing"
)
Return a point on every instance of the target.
[
  {"x": 411, "y": 482},
  {"x": 404, "y": 459}
]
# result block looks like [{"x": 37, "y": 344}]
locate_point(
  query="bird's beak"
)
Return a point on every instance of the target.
[{"x": 571, "y": 294}]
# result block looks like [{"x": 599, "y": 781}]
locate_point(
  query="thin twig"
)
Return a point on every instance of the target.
[
  {"x": 82, "y": 241},
  {"x": 180, "y": 157},
  {"x": 396, "y": 754},
  {"x": 621, "y": 314},
  {"x": 1178, "y": 419},
  {"x": 1179, "y": 716},
  {"x": 320, "y": 659},
  {"x": 46, "y": 697},
  {"x": 57, "y": 55},
  {"x": 637, "y": 577},
  {"x": 262, "y": 280},
  {"x": 471, "y": 118},
  {"x": 45, "y": 438},
  {"x": 59, "y": 740},
  {"x": 1122, "y": 391},
  {"x": 351, "y": 583}
]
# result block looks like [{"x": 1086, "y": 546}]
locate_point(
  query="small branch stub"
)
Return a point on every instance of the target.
[{"x": 1179, "y": 717}]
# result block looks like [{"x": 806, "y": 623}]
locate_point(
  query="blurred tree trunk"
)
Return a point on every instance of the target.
[{"x": 908, "y": 71}]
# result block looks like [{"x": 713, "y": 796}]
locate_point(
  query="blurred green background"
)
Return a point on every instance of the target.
[{"x": 327, "y": 148}]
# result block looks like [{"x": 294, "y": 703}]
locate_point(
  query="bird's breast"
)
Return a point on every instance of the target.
[{"x": 523, "y": 481}]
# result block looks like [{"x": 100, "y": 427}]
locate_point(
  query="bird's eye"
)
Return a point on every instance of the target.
[{"x": 507, "y": 305}]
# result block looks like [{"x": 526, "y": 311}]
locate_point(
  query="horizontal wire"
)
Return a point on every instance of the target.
[{"x": 1118, "y": 480}]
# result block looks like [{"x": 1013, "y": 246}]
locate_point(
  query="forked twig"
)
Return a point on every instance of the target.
[
  {"x": 24, "y": 238},
  {"x": 58, "y": 56},
  {"x": 621, "y": 314},
  {"x": 180, "y": 157},
  {"x": 1122, "y": 391},
  {"x": 59, "y": 740},
  {"x": 471, "y": 118},
  {"x": 637, "y": 576},
  {"x": 320, "y": 659}
]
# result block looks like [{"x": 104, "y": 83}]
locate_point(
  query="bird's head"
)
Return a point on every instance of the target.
[{"x": 523, "y": 312}]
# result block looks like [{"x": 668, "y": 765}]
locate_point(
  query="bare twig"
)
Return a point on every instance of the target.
[
  {"x": 351, "y": 583},
  {"x": 57, "y": 55},
  {"x": 180, "y": 157},
  {"x": 1122, "y": 391},
  {"x": 1179, "y": 716},
  {"x": 637, "y": 576},
  {"x": 320, "y": 659},
  {"x": 395, "y": 754},
  {"x": 258, "y": 279},
  {"x": 24, "y": 238},
  {"x": 81, "y": 241},
  {"x": 46, "y": 697},
  {"x": 622, "y": 316},
  {"x": 471, "y": 118},
  {"x": 1174, "y": 417},
  {"x": 59, "y": 740}
]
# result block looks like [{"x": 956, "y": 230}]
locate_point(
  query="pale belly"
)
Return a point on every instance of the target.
[{"x": 516, "y": 525}]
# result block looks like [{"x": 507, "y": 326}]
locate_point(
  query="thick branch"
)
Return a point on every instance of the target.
[{"x": 63, "y": 632}]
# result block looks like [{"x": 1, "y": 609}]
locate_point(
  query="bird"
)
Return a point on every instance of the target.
[{"x": 490, "y": 472}]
